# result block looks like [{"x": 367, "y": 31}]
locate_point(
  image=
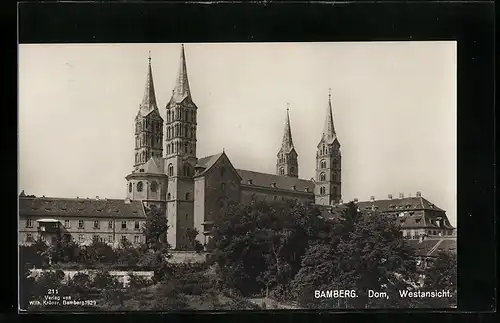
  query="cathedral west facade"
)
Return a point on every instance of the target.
[{"x": 192, "y": 190}]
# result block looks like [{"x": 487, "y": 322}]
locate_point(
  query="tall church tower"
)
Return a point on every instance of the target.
[
  {"x": 148, "y": 182},
  {"x": 328, "y": 164},
  {"x": 180, "y": 158},
  {"x": 287, "y": 164}
]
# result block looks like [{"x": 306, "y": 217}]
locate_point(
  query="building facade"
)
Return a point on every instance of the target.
[{"x": 192, "y": 190}]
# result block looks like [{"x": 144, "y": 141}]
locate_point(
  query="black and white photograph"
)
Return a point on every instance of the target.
[{"x": 237, "y": 176}]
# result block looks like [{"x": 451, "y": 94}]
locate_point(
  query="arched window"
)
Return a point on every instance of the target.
[
  {"x": 292, "y": 170},
  {"x": 186, "y": 170},
  {"x": 154, "y": 187},
  {"x": 170, "y": 170},
  {"x": 169, "y": 196},
  {"x": 139, "y": 187},
  {"x": 223, "y": 186},
  {"x": 282, "y": 171},
  {"x": 168, "y": 149},
  {"x": 187, "y": 196},
  {"x": 322, "y": 177},
  {"x": 222, "y": 171},
  {"x": 185, "y": 131},
  {"x": 185, "y": 147},
  {"x": 322, "y": 190},
  {"x": 136, "y": 157},
  {"x": 130, "y": 187},
  {"x": 323, "y": 164}
]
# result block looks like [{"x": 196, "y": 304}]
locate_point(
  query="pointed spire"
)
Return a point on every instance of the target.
[
  {"x": 149, "y": 100},
  {"x": 181, "y": 90},
  {"x": 287, "y": 143},
  {"x": 329, "y": 134}
]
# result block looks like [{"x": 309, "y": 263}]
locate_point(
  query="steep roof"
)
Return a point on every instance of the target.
[
  {"x": 91, "y": 208},
  {"x": 148, "y": 103},
  {"x": 329, "y": 135},
  {"x": 287, "y": 143},
  {"x": 207, "y": 162},
  {"x": 400, "y": 204},
  {"x": 431, "y": 247},
  {"x": 181, "y": 90},
  {"x": 153, "y": 166},
  {"x": 281, "y": 182}
]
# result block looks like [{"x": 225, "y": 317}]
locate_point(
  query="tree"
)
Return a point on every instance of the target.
[
  {"x": 155, "y": 229},
  {"x": 191, "y": 234},
  {"x": 259, "y": 246},
  {"x": 441, "y": 275},
  {"x": 369, "y": 254},
  {"x": 127, "y": 253}
]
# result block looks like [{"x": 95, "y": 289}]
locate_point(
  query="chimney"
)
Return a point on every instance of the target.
[
  {"x": 419, "y": 194},
  {"x": 389, "y": 196},
  {"x": 401, "y": 195},
  {"x": 372, "y": 198}
]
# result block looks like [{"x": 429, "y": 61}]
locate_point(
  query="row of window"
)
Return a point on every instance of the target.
[
  {"x": 140, "y": 186},
  {"x": 177, "y": 147},
  {"x": 188, "y": 196},
  {"x": 143, "y": 156},
  {"x": 143, "y": 124},
  {"x": 412, "y": 234},
  {"x": 81, "y": 238},
  {"x": 322, "y": 190},
  {"x": 335, "y": 177},
  {"x": 96, "y": 224},
  {"x": 178, "y": 130},
  {"x": 187, "y": 170},
  {"x": 145, "y": 139},
  {"x": 180, "y": 114},
  {"x": 282, "y": 171}
]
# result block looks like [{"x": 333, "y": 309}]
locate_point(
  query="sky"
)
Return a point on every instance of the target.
[{"x": 394, "y": 110}]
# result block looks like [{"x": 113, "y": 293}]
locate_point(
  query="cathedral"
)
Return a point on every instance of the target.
[{"x": 192, "y": 189}]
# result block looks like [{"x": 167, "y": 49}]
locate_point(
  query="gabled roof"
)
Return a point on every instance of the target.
[
  {"x": 92, "y": 208},
  {"x": 207, "y": 162},
  {"x": 281, "y": 182},
  {"x": 153, "y": 166}
]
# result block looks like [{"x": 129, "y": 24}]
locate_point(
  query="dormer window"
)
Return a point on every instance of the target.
[
  {"x": 307, "y": 189},
  {"x": 294, "y": 188},
  {"x": 273, "y": 185},
  {"x": 250, "y": 182}
]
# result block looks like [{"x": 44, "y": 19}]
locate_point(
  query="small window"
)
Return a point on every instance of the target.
[
  {"x": 95, "y": 238},
  {"x": 136, "y": 239},
  {"x": 96, "y": 224},
  {"x": 169, "y": 196},
  {"x": 110, "y": 224},
  {"x": 124, "y": 225},
  {"x": 130, "y": 187},
  {"x": 29, "y": 237},
  {"x": 323, "y": 164},
  {"x": 322, "y": 190},
  {"x": 81, "y": 224},
  {"x": 154, "y": 187},
  {"x": 110, "y": 239},
  {"x": 170, "y": 170},
  {"x": 139, "y": 187},
  {"x": 282, "y": 171},
  {"x": 29, "y": 223},
  {"x": 222, "y": 171},
  {"x": 67, "y": 224},
  {"x": 141, "y": 171},
  {"x": 136, "y": 225},
  {"x": 223, "y": 186},
  {"x": 81, "y": 238},
  {"x": 188, "y": 196},
  {"x": 292, "y": 171},
  {"x": 322, "y": 177},
  {"x": 275, "y": 197},
  {"x": 187, "y": 216},
  {"x": 124, "y": 238}
]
